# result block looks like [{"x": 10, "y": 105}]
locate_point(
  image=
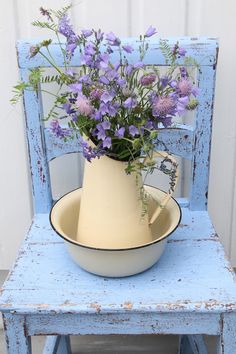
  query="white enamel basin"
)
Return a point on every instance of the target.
[{"x": 114, "y": 262}]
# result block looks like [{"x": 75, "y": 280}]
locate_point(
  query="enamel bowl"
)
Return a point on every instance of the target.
[{"x": 114, "y": 262}]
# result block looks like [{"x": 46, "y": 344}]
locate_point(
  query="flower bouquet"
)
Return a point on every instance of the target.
[{"x": 115, "y": 106}]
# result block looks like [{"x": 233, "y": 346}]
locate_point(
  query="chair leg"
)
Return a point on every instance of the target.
[
  {"x": 15, "y": 329},
  {"x": 226, "y": 343},
  {"x": 192, "y": 344},
  {"x": 57, "y": 345}
]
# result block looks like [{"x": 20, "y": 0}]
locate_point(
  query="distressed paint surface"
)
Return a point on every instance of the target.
[
  {"x": 17, "y": 339},
  {"x": 41, "y": 188},
  {"x": 202, "y": 139},
  {"x": 46, "y": 293},
  {"x": 191, "y": 265},
  {"x": 178, "y": 141},
  {"x": 227, "y": 339},
  {"x": 129, "y": 323},
  {"x": 202, "y": 49}
]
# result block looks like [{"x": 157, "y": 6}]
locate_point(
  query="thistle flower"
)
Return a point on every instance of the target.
[
  {"x": 163, "y": 106},
  {"x": 84, "y": 105},
  {"x": 147, "y": 79},
  {"x": 184, "y": 87},
  {"x": 96, "y": 94}
]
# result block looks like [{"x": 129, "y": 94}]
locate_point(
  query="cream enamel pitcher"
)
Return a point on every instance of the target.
[{"x": 110, "y": 213}]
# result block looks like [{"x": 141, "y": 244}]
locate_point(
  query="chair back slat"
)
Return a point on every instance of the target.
[
  {"x": 190, "y": 143},
  {"x": 202, "y": 139},
  {"x": 40, "y": 177},
  {"x": 178, "y": 141}
]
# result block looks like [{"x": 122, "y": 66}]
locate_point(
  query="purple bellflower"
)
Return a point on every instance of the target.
[{"x": 150, "y": 31}]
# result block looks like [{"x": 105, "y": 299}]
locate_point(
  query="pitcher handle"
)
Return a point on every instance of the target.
[{"x": 160, "y": 207}]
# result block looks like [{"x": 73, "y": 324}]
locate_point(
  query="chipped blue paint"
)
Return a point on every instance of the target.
[
  {"x": 183, "y": 135},
  {"x": 41, "y": 189},
  {"x": 202, "y": 139},
  {"x": 201, "y": 49},
  {"x": 47, "y": 294},
  {"x": 227, "y": 339}
]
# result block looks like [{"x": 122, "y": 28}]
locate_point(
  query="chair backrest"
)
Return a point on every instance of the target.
[{"x": 189, "y": 142}]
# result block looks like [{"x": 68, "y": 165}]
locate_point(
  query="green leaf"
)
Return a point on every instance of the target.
[{"x": 42, "y": 24}]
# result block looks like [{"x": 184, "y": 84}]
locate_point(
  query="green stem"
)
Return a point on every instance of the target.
[
  {"x": 50, "y": 62},
  {"x": 63, "y": 53}
]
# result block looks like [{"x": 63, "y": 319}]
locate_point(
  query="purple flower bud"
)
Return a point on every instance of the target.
[
  {"x": 86, "y": 32},
  {"x": 89, "y": 152},
  {"x": 181, "y": 105},
  {"x": 106, "y": 125},
  {"x": 107, "y": 142},
  {"x": 183, "y": 72},
  {"x": 69, "y": 72},
  {"x": 76, "y": 87},
  {"x": 164, "y": 81},
  {"x": 133, "y": 130},
  {"x": 103, "y": 60},
  {"x": 128, "y": 69},
  {"x": 139, "y": 65},
  {"x": 87, "y": 60},
  {"x": 89, "y": 49},
  {"x": 101, "y": 133},
  {"x": 121, "y": 82},
  {"x": 104, "y": 80},
  {"x": 130, "y": 102},
  {"x": 116, "y": 66},
  {"x": 107, "y": 96},
  {"x": 112, "y": 39},
  {"x": 150, "y": 31},
  {"x": 67, "y": 107},
  {"x": 70, "y": 48},
  {"x": 58, "y": 130},
  {"x": 120, "y": 132},
  {"x": 127, "y": 48},
  {"x": 182, "y": 51},
  {"x": 99, "y": 35},
  {"x": 173, "y": 83}
]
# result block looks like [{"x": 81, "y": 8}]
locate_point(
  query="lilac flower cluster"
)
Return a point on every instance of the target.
[{"x": 115, "y": 100}]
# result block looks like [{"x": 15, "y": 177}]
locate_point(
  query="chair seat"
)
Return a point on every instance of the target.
[{"x": 193, "y": 275}]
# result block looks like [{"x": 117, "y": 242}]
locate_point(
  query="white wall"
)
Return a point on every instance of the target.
[{"x": 126, "y": 18}]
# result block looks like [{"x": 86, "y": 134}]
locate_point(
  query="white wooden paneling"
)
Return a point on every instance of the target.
[{"x": 124, "y": 17}]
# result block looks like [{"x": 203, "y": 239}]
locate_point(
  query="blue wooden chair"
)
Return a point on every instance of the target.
[{"x": 190, "y": 292}]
